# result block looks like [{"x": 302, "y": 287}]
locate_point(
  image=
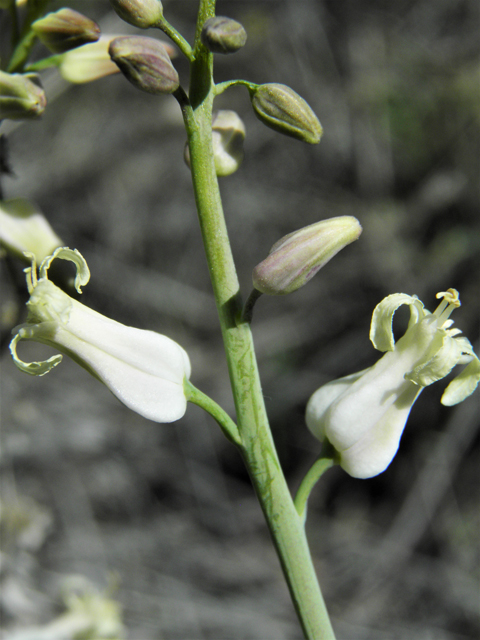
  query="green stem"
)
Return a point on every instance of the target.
[
  {"x": 176, "y": 37},
  {"x": 27, "y": 38},
  {"x": 258, "y": 448},
  {"x": 223, "y": 86},
  {"x": 45, "y": 63},
  {"x": 227, "y": 425},
  {"x": 313, "y": 476}
]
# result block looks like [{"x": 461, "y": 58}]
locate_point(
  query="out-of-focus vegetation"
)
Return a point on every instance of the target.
[{"x": 169, "y": 507}]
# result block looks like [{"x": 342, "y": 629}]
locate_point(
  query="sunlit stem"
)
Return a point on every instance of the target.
[{"x": 257, "y": 446}]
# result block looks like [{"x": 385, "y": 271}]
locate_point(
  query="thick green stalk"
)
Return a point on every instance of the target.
[{"x": 257, "y": 447}]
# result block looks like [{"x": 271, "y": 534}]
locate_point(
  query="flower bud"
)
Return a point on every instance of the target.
[
  {"x": 223, "y": 35},
  {"x": 140, "y": 13},
  {"x": 21, "y": 96},
  {"x": 65, "y": 29},
  {"x": 87, "y": 63},
  {"x": 228, "y": 134},
  {"x": 297, "y": 257},
  {"x": 145, "y": 63},
  {"x": 24, "y": 228},
  {"x": 280, "y": 108}
]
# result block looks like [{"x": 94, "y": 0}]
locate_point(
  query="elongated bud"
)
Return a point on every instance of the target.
[
  {"x": 280, "y": 108},
  {"x": 65, "y": 29},
  {"x": 145, "y": 63},
  {"x": 228, "y": 134},
  {"x": 24, "y": 228},
  {"x": 297, "y": 257},
  {"x": 21, "y": 96},
  {"x": 223, "y": 35},
  {"x": 140, "y": 13}
]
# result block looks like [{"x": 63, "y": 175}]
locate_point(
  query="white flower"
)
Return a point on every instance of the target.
[
  {"x": 24, "y": 228},
  {"x": 363, "y": 415},
  {"x": 144, "y": 369}
]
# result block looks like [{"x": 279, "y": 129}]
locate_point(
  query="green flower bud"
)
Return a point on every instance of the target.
[
  {"x": 297, "y": 257},
  {"x": 65, "y": 29},
  {"x": 140, "y": 13},
  {"x": 21, "y": 96},
  {"x": 223, "y": 35},
  {"x": 145, "y": 63},
  {"x": 280, "y": 108}
]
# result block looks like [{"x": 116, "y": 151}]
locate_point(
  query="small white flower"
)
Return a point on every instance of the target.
[
  {"x": 144, "y": 369},
  {"x": 363, "y": 415}
]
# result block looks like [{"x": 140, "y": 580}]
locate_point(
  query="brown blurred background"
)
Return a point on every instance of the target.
[{"x": 90, "y": 488}]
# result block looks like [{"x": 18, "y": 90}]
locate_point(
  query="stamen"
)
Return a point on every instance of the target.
[{"x": 451, "y": 301}]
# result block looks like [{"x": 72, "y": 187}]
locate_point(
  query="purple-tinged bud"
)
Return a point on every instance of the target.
[
  {"x": 21, "y": 96},
  {"x": 280, "y": 108},
  {"x": 145, "y": 63},
  {"x": 140, "y": 13},
  {"x": 223, "y": 35},
  {"x": 65, "y": 29},
  {"x": 297, "y": 257}
]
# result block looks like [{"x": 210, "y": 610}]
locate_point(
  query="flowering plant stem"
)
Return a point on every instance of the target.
[{"x": 257, "y": 447}]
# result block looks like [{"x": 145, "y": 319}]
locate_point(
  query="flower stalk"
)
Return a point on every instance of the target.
[{"x": 257, "y": 446}]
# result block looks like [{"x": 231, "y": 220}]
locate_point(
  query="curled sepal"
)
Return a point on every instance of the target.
[
  {"x": 32, "y": 368},
  {"x": 381, "y": 332},
  {"x": 464, "y": 384},
  {"x": 64, "y": 253}
]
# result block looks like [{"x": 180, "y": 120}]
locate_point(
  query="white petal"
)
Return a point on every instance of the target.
[
  {"x": 321, "y": 400},
  {"x": 144, "y": 369},
  {"x": 375, "y": 450},
  {"x": 440, "y": 365},
  {"x": 463, "y": 385},
  {"x": 367, "y": 400},
  {"x": 381, "y": 333}
]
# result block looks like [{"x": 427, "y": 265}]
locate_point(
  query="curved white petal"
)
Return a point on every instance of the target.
[
  {"x": 463, "y": 385},
  {"x": 72, "y": 255},
  {"x": 32, "y": 368},
  {"x": 381, "y": 333}
]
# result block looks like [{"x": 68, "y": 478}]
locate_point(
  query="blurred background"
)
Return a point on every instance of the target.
[{"x": 165, "y": 514}]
